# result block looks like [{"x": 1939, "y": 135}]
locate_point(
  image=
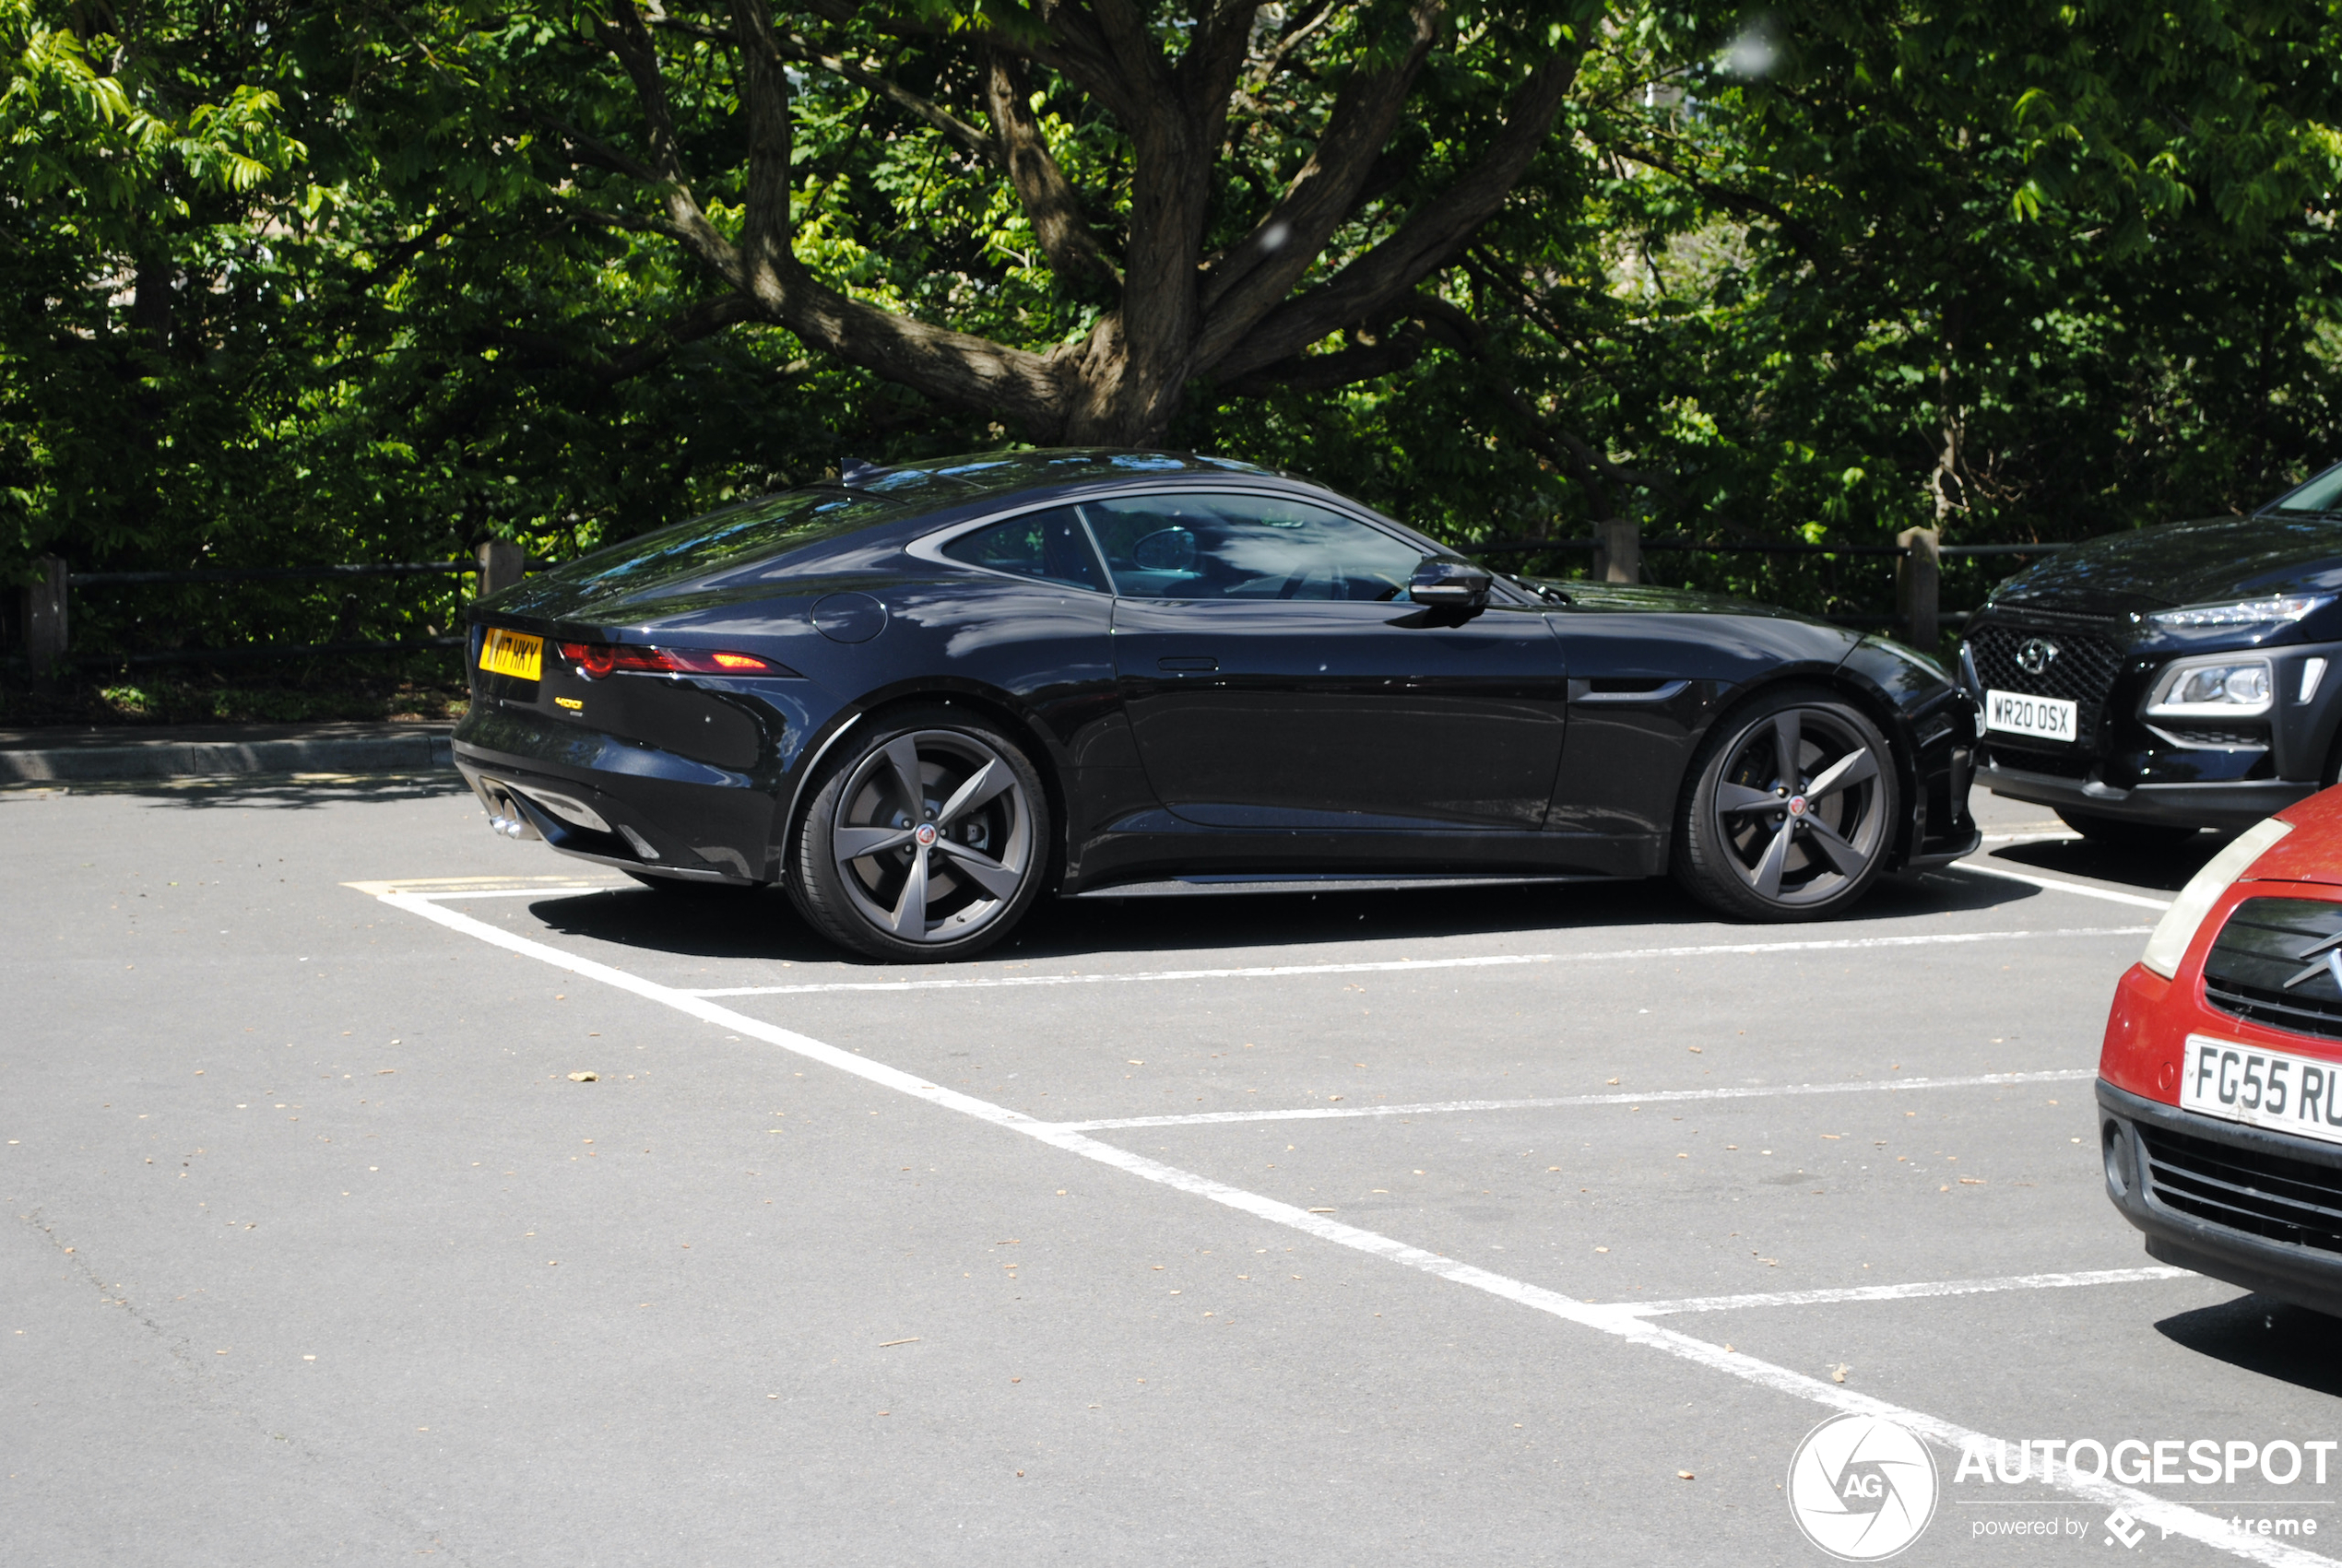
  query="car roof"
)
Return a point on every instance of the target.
[
  {"x": 871, "y": 508},
  {"x": 940, "y": 481}
]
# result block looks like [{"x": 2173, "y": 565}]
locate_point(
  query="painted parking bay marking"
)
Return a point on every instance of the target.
[
  {"x": 1916, "y": 1291},
  {"x": 1396, "y": 966},
  {"x": 1558, "y": 1101},
  {"x": 1620, "y": 1324}
]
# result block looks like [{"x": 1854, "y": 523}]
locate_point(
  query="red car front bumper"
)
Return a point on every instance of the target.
[{"x": 2258, "y": 1209}]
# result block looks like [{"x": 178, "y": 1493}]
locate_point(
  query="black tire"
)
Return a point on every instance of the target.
[
  {"x": 1754, "y": 844},
  {"x": 929, "y": 880},
  {"x": 2116, "y": 834}
]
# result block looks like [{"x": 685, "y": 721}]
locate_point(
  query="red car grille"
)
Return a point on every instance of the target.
[
  {"x": 2254, "y": 970},
  {"x": 2265, "y": 1195}
]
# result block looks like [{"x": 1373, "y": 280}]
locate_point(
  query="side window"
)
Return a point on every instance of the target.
[
  {"x": 1045, "y": 545},
  {"x": 1232, "y": 547}
]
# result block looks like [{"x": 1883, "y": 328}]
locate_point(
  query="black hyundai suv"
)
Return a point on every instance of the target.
[{"x": 2150, "y": 684}]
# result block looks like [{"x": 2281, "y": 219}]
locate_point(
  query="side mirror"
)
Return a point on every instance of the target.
[{"x": 1443, "y": 579}]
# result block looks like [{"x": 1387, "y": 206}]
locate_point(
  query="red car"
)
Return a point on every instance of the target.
[{"x": 2221, "y": 1081}]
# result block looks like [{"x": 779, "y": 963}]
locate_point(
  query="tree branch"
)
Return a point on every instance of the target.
[
  {"x": 625, "y": 222},
  {"x": 1308, "y": 20},
  {"x": 1800, "y": 234},
  {"x": 703, "y": 319},
  {"x": 631, "y": 41},
  {"x": 1040, "y": 184},
  {"x": 1390, "y": 346},
  {"x": 1427, "y": 241},
  {"x": 1208, "y": 72},
  {"x": 958, "y": 131},
  {"x": 593, "y": 150},
  {"x": 1324, "y": 373},
  {"x": 1262, "y": 268},
  {"x": 796, "y": 46},
  {"x": 766, "y": 227}
]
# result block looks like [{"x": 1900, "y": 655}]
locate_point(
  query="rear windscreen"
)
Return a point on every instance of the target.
[{"x": 754, "y": 529}]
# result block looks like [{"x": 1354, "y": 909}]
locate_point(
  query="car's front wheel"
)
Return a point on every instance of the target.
[
  {"x": 927, "y": 840},
  {"x": 1789, "y": 811}
]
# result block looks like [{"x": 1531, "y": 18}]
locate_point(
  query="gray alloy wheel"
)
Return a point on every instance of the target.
[
  {"x": 1790, "y": 812},
  {"x": 928, "y": 844}
]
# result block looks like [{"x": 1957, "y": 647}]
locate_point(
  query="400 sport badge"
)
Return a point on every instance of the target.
[{"x": 1862, "y": 1487}]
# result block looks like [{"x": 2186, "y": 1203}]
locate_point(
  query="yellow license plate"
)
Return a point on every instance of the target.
[{"x": 512, "y": 653}]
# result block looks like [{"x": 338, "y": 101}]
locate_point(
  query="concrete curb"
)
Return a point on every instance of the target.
[{"x": 195, "y": 759}]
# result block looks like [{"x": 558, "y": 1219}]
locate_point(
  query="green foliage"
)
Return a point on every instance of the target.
[{"x": 379, "y": 279}]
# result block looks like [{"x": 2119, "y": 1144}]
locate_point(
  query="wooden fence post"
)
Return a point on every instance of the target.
[
  {"x": 44, "y": 621},
  {"x": 1918, "y": 582},
  {"x": 1618, "y": 552},
  {"x": 500, "y": 566}
]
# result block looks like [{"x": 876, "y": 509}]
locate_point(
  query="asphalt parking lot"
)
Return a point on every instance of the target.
[{"x": 1519, "y": 1224}]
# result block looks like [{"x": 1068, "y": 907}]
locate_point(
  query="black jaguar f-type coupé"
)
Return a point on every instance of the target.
[{"x": 922, "y": 697}]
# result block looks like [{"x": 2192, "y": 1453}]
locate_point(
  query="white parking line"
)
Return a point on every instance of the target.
[
  {"x": 1387, "y": 966},
  {"x": 1657, "y": 1097},
  {"x": 1617, "y": 1322},
  {"x": 1902, "y": 1292},
  {"x": 2058, "y": 884}
]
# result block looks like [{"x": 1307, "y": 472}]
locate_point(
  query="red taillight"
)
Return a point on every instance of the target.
[
  {"x": 715, "y": 664},
  {"x": 598, "y": 659},
  {"x": 595, "y": 659}
]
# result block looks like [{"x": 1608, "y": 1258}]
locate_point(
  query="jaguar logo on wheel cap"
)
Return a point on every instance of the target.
[
  {"x": 2036, "y": 655},
  {"x": 925, "y": 835},
  {"x": 1797, "y": 805}
]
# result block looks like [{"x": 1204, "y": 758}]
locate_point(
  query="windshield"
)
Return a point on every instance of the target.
[{"x": 2321, "y": 494}]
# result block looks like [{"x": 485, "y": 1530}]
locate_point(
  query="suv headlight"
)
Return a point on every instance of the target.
[
  {"x": 2218, "y": 687},
  {"x": 2173, "y": 934},
  {"x": 2276, "y": 608}
]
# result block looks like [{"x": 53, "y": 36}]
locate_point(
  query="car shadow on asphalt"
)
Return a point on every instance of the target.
[
  {"x": 2260, "y": 1334},
  {"x": 730, "y": 923},
  {"x": 2164, "y": 869}
]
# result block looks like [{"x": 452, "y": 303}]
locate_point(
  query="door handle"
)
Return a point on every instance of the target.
[{"x": 1188, "y": 662}]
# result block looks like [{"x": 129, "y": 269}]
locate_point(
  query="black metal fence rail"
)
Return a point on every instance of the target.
[
  {"x": 272, "y": 573},
  {"x": 1533, "y": 547},
  {"x": 1918, "y": 555},
  {"x": 45, "y": 621},
  {"x": 1618, "y": 558}
]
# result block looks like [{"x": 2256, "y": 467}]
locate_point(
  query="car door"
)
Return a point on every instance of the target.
[{"x": 1275, "y": 674}]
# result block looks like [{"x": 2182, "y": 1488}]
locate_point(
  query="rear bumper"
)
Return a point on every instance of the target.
[
  {"x": 2226, "y": 806},
  {"x": 643, "y": 809},
  {"x": 2306, "y": 1275}
]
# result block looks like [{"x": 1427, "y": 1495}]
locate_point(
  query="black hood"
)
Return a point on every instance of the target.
[{"x": 2186, "y": 563}]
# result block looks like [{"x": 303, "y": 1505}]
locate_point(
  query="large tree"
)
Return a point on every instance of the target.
[{"x": 1215, "y": 191}]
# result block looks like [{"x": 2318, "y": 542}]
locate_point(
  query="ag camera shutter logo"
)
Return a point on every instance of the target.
[{"x": 1861, "y": 1488}]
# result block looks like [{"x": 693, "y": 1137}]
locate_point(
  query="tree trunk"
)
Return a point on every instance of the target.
[{"x": 1180, "y": 316}]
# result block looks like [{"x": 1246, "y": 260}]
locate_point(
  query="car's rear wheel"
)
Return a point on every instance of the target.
[
  {"x": 929, "y": 840},
  {"x": 1790, "y": 809},
  {"x": 2116, "y": 834}
]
